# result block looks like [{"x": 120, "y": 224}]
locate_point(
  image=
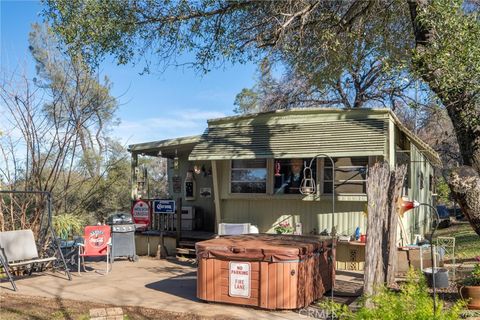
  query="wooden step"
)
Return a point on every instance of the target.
[
  {"x": 186, "y": 252},
  {"x": 187, "y": 244}
]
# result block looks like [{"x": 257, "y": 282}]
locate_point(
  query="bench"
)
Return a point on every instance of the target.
[{"x": 18, "y": 248}]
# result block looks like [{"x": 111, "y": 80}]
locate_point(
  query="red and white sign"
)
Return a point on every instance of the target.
[
  {"x": 141, "y": 213},
  {"x": 96, "y": 240},
  {"x": 239, "y": 279}
]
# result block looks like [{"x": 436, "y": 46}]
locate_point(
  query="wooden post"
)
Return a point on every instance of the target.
[
  {"x": 178, "y": 205},
  {"x": 161, "y": 252},
  {"x": 216, "y": 194},
  {"x": 134, "y": 164}
]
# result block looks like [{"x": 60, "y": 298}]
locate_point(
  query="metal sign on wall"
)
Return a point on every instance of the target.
[
  {"x": 239, "y": 279},
  {"x": 141, "y": 213},
  {"x": 163, "y": 206},
  {"x": 176, "y": 184}
]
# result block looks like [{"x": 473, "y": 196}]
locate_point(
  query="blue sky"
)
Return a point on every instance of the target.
[{"x": 152, "y": 107}]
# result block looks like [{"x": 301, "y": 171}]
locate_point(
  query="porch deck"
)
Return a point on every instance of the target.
[{"x": 168, "y": 285}]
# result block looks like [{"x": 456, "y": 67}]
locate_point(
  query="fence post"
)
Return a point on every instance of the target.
[{"x": 178, "y": 206}]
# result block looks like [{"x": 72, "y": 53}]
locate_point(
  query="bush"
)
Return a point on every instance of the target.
[
  {"x": 67, "y": 225},
  {"x": 473, "y": 279},
  {"x": 412, "y": 302}
]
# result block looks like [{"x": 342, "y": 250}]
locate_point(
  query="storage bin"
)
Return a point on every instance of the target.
[
  {"x": 263, "y": 270},
  {"x": 441, "y": 277}
]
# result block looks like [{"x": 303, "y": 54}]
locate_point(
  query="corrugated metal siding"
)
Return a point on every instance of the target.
[
  {"x": 277, "y": 139},
  {"x": 265, "y": 214},
  {"x": 418, "y": 221}
]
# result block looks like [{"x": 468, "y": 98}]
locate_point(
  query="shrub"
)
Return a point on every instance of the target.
[
  {"x": 473, "y": 279},
  {"x": 412, "y": 302},
  {"x": 67, "y": 224}
]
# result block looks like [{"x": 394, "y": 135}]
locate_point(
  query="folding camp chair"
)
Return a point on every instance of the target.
[
  {"x": 18, "y": 248},
  {"x": 96, "y": 243}
]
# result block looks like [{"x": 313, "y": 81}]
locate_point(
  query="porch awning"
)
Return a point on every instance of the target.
[
  {"x": 292, "y": 138},
  {"x": 165, "y": 148}
]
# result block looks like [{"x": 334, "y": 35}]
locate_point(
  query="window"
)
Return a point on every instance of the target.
[
  {"x": 288, "y": 175},
  {"x": 249, "y": 176},
  {"x": 350, "y": 175},
  {"x": 421, "y": 178}
]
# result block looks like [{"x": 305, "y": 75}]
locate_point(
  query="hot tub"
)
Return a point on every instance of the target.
[{"x": 264, "y": 270}]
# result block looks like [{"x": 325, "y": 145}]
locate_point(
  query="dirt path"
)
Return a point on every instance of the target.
[{"x": 20, "y": 307}]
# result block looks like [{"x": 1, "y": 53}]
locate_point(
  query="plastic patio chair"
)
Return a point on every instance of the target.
[{"x": 97, "y": 243}]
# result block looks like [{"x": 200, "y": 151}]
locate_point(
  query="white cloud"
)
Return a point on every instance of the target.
[{"x": 173, "y": 124}]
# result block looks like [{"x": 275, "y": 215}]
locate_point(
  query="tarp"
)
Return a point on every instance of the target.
[{"x": 262, "y": 247}]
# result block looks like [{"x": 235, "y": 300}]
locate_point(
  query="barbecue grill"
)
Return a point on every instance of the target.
[{"x": 123, "y": 236}]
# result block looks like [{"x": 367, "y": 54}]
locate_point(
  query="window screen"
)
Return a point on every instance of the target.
[
  {"x": 350, "y": 175},
  {"x": 249, "y": 176}
]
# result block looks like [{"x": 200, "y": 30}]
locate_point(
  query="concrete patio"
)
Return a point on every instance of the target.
[{"x": 161, "y": 284}]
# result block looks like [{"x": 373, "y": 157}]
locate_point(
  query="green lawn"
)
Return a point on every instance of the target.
[{"x": 467, "y": 242}]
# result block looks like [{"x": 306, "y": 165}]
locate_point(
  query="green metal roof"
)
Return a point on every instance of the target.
[
  {"x": 294, "y": 133},
  {"x": 167, "y": 148},
  {"x": 289, "y": 134},
  {"x": 424, "y": 148}
]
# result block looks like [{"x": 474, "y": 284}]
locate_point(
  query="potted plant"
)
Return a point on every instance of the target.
[
  {"x": 283, "y": 228},
  {"x": 469, "y": 288}
]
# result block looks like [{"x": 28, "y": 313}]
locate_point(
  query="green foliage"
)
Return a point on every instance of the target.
[
  {"x": 412, "y": 302},
  {"x": 78, "y": 96},
  {"x": 246, "y": 101},
  {"x": 284, "y": 228},
  {"x": 473, "y": 279},
  {"x": 67, "y": 113},
  {"x": 67, "y": 225},
  {"x": 453, "y": 55},
  {"x": 443, "y": 191}
]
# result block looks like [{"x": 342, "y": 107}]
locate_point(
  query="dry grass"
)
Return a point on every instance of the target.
[{"x": 19, "y": 307}]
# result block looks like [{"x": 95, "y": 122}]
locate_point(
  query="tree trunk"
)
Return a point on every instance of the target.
[
  {"x": 464, "y": 182},
  {"x": 383, "y": 189},
  {"x": 390, "y": 232},
  {"x": 464, "y": 111},
  {"x": 465, "y": 185}
]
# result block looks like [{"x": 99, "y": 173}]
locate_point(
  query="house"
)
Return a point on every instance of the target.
[{"x": 246, "y": 168}]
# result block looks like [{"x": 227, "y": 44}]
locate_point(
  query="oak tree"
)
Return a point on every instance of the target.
[{"x": 435, "y": 41}]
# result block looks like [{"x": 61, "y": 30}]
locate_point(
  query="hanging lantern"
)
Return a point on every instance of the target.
[
  {"x": 308, "y": 183},
  {"x": 175, "y": 161}
]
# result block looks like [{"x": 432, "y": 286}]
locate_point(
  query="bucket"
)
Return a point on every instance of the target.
[{"x": 441, "y": 277}]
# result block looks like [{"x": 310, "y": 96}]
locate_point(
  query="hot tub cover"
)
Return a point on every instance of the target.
[{"x": 262, "y": 247}]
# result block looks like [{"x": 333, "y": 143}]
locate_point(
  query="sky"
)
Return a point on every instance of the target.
[{"x": 152, "y": 107}]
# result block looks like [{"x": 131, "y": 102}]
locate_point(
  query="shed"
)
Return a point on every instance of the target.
[{"x": 245, "y": 168}]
